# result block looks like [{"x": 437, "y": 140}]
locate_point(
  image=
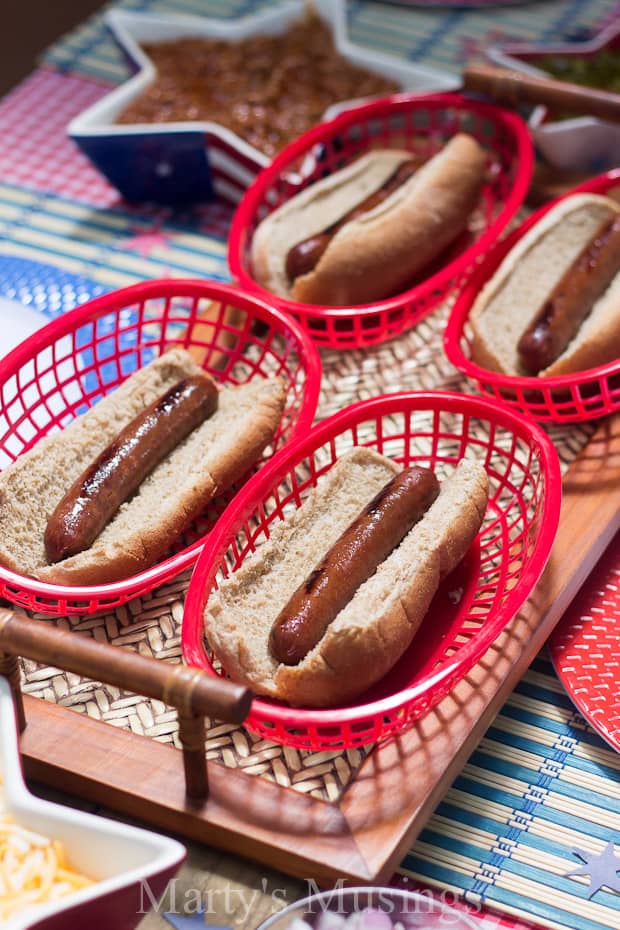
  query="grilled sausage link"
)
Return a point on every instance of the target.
[
  {"x": 557, "y": 322},
  {"x": 378, "y": 529},
  {"x": 121, "y": 468},
  {"x": 304, "y": 256}
]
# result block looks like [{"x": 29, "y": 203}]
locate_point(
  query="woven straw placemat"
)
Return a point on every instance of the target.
[
  {"x": 66, "y": 237},
  {"x": 151, "y": 624}
]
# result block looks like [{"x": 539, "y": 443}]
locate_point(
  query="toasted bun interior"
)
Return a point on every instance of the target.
[
  {"x": 528, "y": 274},
  {"x": 212, "y": 457},
  {"x": 376, "y": 626}
]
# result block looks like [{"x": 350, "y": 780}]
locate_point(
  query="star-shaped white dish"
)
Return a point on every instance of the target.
[
  {"x": 131, "y": 867},
  {"x": 581, "y": 143},
  {"x": 196, "y": 161}
]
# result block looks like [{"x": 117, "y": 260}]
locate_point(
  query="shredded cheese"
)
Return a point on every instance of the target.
[{"x": 33, "y": 868}]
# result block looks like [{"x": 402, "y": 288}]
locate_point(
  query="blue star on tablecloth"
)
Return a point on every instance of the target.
[{"x": 602, "y": 868}]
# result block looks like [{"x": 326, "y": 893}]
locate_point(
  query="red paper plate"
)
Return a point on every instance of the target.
[{"x": 585, "y": 648}]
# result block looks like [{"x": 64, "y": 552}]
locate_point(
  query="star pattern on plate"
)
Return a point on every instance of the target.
[{"x": 602, "y": 868}]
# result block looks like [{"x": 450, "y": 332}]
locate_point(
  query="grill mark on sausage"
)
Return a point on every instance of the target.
[
  {"x": 122, "y": 466},
  {"x": 557, "y": 322},
  {"x": 367, "y": 541}
]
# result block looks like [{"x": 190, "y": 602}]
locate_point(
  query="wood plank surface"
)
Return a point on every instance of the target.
[
  {"x": 364, "y": 836},
  {"x": 142, "y": 778},
  {"x": 404, "y": 781}
]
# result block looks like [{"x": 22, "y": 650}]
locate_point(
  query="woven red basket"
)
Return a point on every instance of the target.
[
  {"x": 68, "y": 365},
  {"x": 583, "y": 395},
  {"x": 471, "y": 607},
  {"x": 422, "y": 124}
]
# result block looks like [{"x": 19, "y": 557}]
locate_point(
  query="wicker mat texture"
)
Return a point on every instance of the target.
[
  {"x": 541, "y": 784},
  {"x": 151, "y": 624}
]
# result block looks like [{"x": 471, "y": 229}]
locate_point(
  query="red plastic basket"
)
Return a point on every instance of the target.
[
  {"x": 583, "y": 395},
  {"x": 422, "y": 124},
  {"x": 67, "y": 366},
  {"x": 471, "y": 607}
]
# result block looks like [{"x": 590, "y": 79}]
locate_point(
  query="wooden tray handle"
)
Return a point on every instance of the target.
[
  {"x": 514, "y": 87},
  {"x": 194, "y": 693}
]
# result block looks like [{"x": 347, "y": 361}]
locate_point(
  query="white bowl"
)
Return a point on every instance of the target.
[
  {"x": 192, "y": 161},
  {"x": 581, "y": 144},
  {"x": 414, "y": 911},
  {"x": 131, "y": 867}
]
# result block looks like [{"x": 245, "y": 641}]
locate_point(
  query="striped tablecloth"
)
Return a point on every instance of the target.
[
  {"x": 541, "y": 786},
  {"x": 441, "y": 37}
]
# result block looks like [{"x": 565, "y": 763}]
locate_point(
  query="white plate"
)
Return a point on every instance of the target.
[
  {"x": 17, "y": 322},
  {"x": 146, "y": 160}
]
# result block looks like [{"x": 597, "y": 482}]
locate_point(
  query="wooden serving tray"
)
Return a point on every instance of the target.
[{"x": 364, "y": 834}]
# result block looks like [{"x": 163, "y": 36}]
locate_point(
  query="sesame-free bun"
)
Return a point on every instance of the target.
[
  {"x": 209, "y": 460},
  {"x": 528, "y": 274},
  {"x": 374, "y": 629},
  {"x": 378, "y": 253}
]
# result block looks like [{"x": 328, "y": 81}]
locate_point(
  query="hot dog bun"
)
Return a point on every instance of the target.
[
  {"x": 377, "y": 625},
  {"x": 377, "y": 254},
  {"x": 512, "y": 297},
  {"x": 213, "y": 456}
]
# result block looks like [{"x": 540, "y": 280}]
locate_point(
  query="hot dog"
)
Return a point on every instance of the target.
[
  {"x": 303, "y": 257},
  {"x": 553, "y": 305},
  {"x": 375, "y": 626},
  {"x": 212, "y": 456},
  {"x": 364, "y": 232},
  {"x": 367, "y": 542},
  {"x": 118, "y": 471},
  {"x": 572, "y": 299}
]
